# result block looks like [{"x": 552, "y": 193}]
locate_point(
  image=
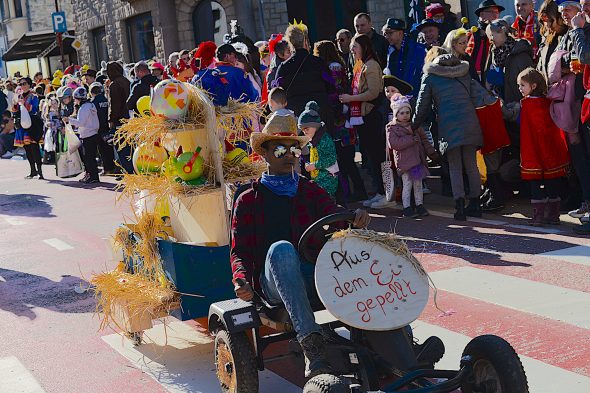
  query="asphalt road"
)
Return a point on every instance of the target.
[{"x": 494, "y": 275}]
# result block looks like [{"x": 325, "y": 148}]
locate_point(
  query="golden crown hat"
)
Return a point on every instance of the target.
[{"x": 299, "y": 25}]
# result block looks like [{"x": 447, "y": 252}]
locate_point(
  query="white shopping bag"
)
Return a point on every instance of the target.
[
  {"x": 48, "y": 142},
  {"x": 68, "y": 164},
  {"x": 74, "y": 142}
]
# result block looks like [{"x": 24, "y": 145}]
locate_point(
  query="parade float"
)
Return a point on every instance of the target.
[{"x": 171, "y": 256}]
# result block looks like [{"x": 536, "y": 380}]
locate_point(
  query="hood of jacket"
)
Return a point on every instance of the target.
[
  {"x": 114, "y": 70},
  {"x": 447, "y": 66}
]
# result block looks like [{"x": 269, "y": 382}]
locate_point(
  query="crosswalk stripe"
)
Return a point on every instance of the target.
[
  {"x": 13, "y": 221},
  {"x": 579, "y": 255},
  {"x": 542, "y": 377},
  {"x": 181, "y": 359},
  {"x": 15, "y": 378},
  {"x": 562, "y": 304},
  {"x": 59, "y": 245}
]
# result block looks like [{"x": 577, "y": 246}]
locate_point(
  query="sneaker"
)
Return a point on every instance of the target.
[
  {"x": 89, "y": 181},
  {"x": 583, "y": 229},
  {"x": 425, "y": 189},
  {"x": 375, "y": 198},
  {"x": 409, "y": 212},
  {"x": 313, "y": 347},
  {"x": 8, "y": 155},
  {"x": 581, "y": 211},
  {"x": 585, "y": 219},
  {"x": 383, "y": 204},
  {"x": 421, "y": 211}
]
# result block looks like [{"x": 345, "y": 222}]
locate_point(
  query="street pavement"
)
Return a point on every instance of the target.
[{"x": 494, "y": 275}]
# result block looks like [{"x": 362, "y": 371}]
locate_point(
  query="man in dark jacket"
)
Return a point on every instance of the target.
[
  {"x": 118, "y": 94},
  {"x": 107, "y": 154},
  {"x": 142, "y": 86},
  {"x": 364, "y": 25},
  {"x": 478, "y": 46},
  {"x": 305, "y": 77}
]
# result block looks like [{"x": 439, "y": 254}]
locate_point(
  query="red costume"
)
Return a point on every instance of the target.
[
  {"x": 543, "y": 149},
  {"x": 493, "y": 128}
]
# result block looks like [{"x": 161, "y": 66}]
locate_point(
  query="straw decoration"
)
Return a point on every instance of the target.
[
  {"x": 243, "y": 171},
  {"x": 237, "y": 120}
]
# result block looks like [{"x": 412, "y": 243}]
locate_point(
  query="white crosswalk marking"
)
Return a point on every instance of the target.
[
  {"x": 181, "y": 359},
  {"x": 15, "y": 378},
  {"x": 578, "y": 254},
  {"x": 561, "y": 304},
  {"x": 13, "y": 221},
  {"x": 542, "y": 377},
  {"x": 59, "y": 245}
]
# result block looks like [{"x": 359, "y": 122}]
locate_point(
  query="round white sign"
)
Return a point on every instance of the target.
[{"x": 367, "y": 286}]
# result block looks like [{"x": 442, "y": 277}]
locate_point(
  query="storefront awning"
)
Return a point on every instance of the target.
[{"x": 32, "y": 44}]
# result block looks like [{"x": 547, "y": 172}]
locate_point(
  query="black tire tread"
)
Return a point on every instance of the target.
[
  {"x": 245, "y": 365},
  {"x": 326, "y": 383},
  {"x": 504, "y": 359}
]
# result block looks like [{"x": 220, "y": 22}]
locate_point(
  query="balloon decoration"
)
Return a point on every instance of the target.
[
  {"x": 189, "y": 166},
  {"x": 149, "y": 158},
  {"x": 170, "y": 99},
  {"x": 143, "y": 106}
]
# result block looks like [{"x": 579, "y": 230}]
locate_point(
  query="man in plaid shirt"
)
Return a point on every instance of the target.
[{"x": 268, "y": 220}]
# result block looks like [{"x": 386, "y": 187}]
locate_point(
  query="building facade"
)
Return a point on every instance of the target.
[
  {"x": 29, "y": 18},
  {"x": 144, "y": 29}
]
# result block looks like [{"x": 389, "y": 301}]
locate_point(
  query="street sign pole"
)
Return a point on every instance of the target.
[{"x": 60, "y": 41}]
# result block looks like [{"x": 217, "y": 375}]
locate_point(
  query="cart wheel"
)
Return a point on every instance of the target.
[
  {"x": 135, "y": 337},
  {"x": 326, "y": 383},
  {"x": 496, "y": 367},
  {"x": 235, "y": 363}
]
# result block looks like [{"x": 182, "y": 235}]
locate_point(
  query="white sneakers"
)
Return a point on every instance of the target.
[
  {"x": 8, "y": 154},
  {"x": 383, "y": 204},
  {"x": 581, "y": 211},
  {"x": 370, "y": 201}
]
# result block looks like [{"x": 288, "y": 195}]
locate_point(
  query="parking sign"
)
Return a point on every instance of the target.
[{"x": 59, "y": 22}]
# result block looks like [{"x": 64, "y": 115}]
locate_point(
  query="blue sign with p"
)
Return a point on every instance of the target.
[{"x": 59, "y": 22}]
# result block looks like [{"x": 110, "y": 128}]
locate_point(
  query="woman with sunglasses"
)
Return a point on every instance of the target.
[{"x": 29, "y": 138}]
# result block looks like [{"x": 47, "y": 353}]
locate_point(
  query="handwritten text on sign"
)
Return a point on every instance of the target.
[{"x": 367, "y": 286}]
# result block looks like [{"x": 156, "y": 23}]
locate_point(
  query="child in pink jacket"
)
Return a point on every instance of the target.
[{"x": 410, "y": 149}]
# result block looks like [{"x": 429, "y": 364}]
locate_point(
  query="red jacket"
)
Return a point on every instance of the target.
[{"x": 247, "y": 253}]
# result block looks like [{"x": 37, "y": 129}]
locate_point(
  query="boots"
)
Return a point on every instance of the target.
[
  {"x": 552, "y": 211},
  {"x": 313, "y": 347},
  {"x": 538, "y": 212},
  {"x": 495, "y": 201},
  {"x": 460, "y": 210},
  {"x": 473, "y": 208}
]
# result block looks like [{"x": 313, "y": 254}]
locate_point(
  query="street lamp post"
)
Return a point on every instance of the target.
[{"x": 60, "y": 41}]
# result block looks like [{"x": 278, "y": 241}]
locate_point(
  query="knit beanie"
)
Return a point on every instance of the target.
[
  {"x": 398, "y": 102},
  {"x": 310, "y": 117}
]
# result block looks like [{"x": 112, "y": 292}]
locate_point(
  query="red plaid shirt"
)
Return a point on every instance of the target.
[{"x": 247, "y": 254}]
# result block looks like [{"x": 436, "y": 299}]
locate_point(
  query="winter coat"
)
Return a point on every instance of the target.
[
  {"x": 370, "y": 86},
  {"x": 326, "y": 162},
  {"x": 380, "y": 46},
  {"x": 573, "y": 43},
  {"x": 140, "y": 89},
  {"x": 407, "y": 153},
  {"x": 87, "y": 121},
  {"x": 118, "y": 94},
  {"x": 565, "y": 107},
  {"x": 102, "y": 107},
  {"x": 447, "y": 84},
  {"x": 545, "y": 52},
  {"x": 410, "y": 68},
  {"x": 520, "y": 57},
  {"x": 305, "y": 78}
]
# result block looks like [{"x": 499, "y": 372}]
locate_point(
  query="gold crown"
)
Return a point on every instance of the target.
[{"x": 299, "y": 25}]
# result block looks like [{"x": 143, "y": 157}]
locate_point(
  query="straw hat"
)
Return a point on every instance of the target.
[{"x": 278, "y": 127}]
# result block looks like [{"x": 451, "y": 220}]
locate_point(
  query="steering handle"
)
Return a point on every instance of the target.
[{"x": 316, "y": 226}]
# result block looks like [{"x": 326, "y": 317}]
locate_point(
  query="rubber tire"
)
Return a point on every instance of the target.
[
  {"x": 503, "y": 358},
  {"x": 326, "y": 383},
  {"x": 244, "y": 360}
]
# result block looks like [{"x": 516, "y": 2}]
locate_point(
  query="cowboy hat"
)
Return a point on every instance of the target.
[
  {"x": 404, "y": 87},
  {"x": 278, "y": 127}
]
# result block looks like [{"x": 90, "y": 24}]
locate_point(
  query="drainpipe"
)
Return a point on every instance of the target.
[
  {"x": 261, "y": 12},
  {"x": 29, "y": 23}
]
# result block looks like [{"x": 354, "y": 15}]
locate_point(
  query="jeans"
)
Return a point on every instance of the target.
[
  {"x": 289, "y": 280},
  {"x": 372, "y": 138},
  {"x": 462, "y": 159},
  {"x": 90, "y": 145}
]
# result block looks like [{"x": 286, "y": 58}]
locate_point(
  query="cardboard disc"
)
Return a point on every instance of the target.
[{"x": 367, "y": 286}]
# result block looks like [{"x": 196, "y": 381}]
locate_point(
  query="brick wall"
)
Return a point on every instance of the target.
[
  {"x": 380, "y": 10},
  {"x": 276, "y": 18}
]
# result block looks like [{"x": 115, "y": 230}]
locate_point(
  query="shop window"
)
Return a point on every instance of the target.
[
  {"x": 100, "y": 50},
  {"x": 18, "y": 9},
  {"x": 140, "y": 37}
]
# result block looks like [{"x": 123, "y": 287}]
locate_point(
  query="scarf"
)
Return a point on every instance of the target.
[
  {"x": 526, "y": 30},
  {"x": 356, "y": 118},
  {"x": 282, "y": 185},
  {"x": 501, "y": 53}
]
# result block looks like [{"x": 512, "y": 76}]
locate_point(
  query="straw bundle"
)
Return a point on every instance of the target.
[
  {"x": 122, "y": 241},
  {"x": 136, "y": 293},
  {"x": 387, "y": 240},
  {"x": 243, "y": 171},
  {"x": 237, "y": 119},
  {"x": 148, "y": 228}
]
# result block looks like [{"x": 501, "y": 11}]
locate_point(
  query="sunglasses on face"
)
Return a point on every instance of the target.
[{"x": 281, "y": 151}]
